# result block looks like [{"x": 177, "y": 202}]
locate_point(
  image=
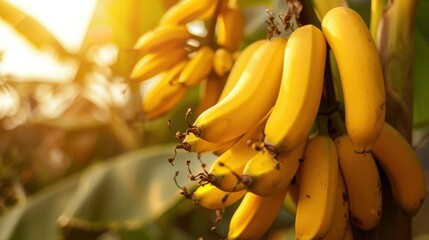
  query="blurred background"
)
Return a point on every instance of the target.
[{"x": 77, "y": 158}]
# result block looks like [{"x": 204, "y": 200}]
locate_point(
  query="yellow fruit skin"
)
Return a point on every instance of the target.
[
  {"x": 186, "y": 11},
  {"x": 361, "y": 75},
  {"x": 230, "y": 27},
  {"x": 402, "y": 167},
  {"x": 154, "y": 63},
  {"x": 222, "y": 62},
  {"x": 161, "y": 37},
  {"x": 242, "y": 108},
  {"x": 199, "y": 145},
  {"x": 363, "y": 184},
  {"x": 318, "y": 179},
  {"x": 227, "y": 168},
  {"x": 211, "y": 197},
  {"x": 340, "y": 224},
  {"x": 254, "y": 215},
  {"x": 323, "y": 6},
  {"x": 268, "y": 178},
  {"x": 161, "y": 97},
  {"x": 239, "y": 66},
  {"x": 300, "y": 91},
  {"x": 198, "y": 68},
  {"x": 210, "y": 91}
]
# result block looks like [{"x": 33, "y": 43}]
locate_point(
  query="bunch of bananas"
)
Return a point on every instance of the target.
[
  {"x": 181, "y": 60},
  {"x": 273, "y": 141}
]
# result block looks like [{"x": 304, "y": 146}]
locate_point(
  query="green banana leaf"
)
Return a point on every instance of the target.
[
  {"x": 421, "y": 71},
  {"x": 124, "y": 194}
]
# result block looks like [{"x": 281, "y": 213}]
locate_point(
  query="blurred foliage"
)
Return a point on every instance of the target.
[{"x": 57, "y": 175}]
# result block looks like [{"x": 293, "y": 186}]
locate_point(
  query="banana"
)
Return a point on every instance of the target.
[
  {"x": 210, "y": 91},
  {"x": 186, "y": 11},
  {"x": 239, "y": 66},
  {"x": 349, "y": 232},
  {"x": 300, "y": 91},
  {"x": 254, "y": 215},
  {"x": 361, "y": 75},
  {"x": 154, "y": 63},
  {"x": 402, "y": 168},
  {"x": 230, "y": 26},
  {"x": 266, "y": 176},
  {"x": 161, "y": 97},
  {"x": 228, "y": 167},
  {"x": 340, "y": 224},
  {"x": 222, "y": 62},
  {"x": 199, "y": 145},
  {"x": 241, "y": 108},
  {"x": 209, "y": 196},
  {"x": 363, "y": 184},
  {"x": 317, "y": 182},
  {"x": 162, "y": 37},
  {"x": 198, "y": 68}
]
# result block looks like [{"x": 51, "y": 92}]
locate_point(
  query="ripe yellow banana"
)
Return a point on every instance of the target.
[
  {"x": 402, "y": 168},
  {"x": 222, "y": 62},
  {"x": 266, "y": 176},
  {"x": 198, "y": 68},
  {"x": 239, "y": 66},
  {"x": 154, "y": 63},
  {"x": 361, "y": 75},
  {"x": 186, "y": 11},
  {"x": 254, "y": 215},
  {"x": 199, "y": 145},
  {"x": 161, "y": 97},
  {"x": 161, "y": 37},
  {"x": 300, "y": 91},
  {"x": 210, "y": 91},
  {"x": 211, "y": 197},
  {"x": 242, "y": 108},
  {"x": 318, "y": 179},
  {"x": 340, "y": 223},
  {"x": 228, "y": 167},
  {"x": 363, "y": 184},
  {"x": 230, "y": 26}
]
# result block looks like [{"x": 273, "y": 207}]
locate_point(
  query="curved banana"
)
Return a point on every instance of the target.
[
  {"x": 254, "y": 215},
  {"x": 403, "y": 169},
  {"x": 222, "y": 62},
  {"x": 161, "y": 97},
  {"x": 242, "y": 108},
  {"x": 361, "y": 75},
  {"x": 211, "y": 197},
  {"x": 154, "y": 63},
  {"x": 198, "y": 68},
  {"x": 227, "y": 168},
  {"x": 267, "y": 176},
  {"x": 363, "y": 184},
  {"x": 318, "y": 179},
  {"x": 162, "y": 37},
  {"x": 186, "y": 11},
  {"x": 210, "y": 91},
  {"x": 230, "y": 26},
  {"x": 239, "y": 66},
  {"x": 300, "y": 91},
  {"x": 340, "y": 224},
  {"x": 199, "y": 145}
]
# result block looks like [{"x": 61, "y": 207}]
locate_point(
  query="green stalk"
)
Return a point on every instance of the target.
[
  {"x": 377, "y": 9},
  {"x": 396, "y": 47}
]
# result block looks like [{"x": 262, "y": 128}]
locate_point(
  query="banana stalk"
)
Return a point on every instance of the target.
[{"x": 395, "y": 43}]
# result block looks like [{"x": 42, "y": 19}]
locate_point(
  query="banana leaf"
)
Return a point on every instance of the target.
[{"x": 123, "y": 194}]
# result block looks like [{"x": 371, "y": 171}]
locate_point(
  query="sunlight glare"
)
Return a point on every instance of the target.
[{"x": 66, "y": 20}]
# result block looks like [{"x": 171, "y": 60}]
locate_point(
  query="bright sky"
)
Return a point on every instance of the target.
[{"x": 67, "y": 20}]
